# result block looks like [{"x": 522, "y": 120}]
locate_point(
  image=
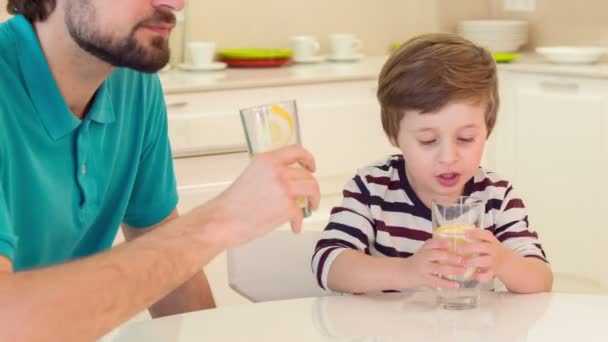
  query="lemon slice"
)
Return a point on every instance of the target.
[
  {"x": 455, "y": 233},
  {"x": 281, "y": 125},
  {"x": 453, "y": 229}
]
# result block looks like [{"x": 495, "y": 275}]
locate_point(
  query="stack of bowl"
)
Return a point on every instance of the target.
[{"x": 495, "y": 35}]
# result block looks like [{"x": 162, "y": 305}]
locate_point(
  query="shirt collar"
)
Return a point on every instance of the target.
[{"x": 43, "y": 90}]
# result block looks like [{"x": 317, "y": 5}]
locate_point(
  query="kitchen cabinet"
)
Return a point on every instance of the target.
[
  {"x": 551, "y": 141},
  {"x": 340, "y": 125}
]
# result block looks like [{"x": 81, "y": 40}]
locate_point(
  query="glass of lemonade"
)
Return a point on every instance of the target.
[
  {"x": 450, "y": 222},
  {"x": 272, "y": 126}
]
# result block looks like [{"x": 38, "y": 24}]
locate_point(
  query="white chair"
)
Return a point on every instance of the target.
[{"x": 275, "y": 267}]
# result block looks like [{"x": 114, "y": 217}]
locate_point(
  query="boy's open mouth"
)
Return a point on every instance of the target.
[{"x": 448, "y": 179}]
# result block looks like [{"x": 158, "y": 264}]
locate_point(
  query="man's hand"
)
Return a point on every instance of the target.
[{"x": 264, "y": 196}]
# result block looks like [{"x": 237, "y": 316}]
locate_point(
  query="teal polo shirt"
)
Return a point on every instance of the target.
[{"x": 67, "y": 184}]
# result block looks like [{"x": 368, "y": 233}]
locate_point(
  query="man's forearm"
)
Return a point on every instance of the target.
[
  {"x": 95, "y": 294},
  {"x": 195, "y": 294}
]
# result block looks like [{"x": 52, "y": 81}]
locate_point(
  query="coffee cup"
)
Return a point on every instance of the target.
[
  {"x": 344, "y": 45},
  {"x": 304, "y": 47},
  {"x": 202, "y": 53}
]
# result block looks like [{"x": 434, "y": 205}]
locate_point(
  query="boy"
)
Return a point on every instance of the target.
[{"x": 438, "y": 97}]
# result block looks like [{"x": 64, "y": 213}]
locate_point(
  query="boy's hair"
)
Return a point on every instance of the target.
[
  {"x": 432, "y": 70},
  {"x": 33, "y": 10}
]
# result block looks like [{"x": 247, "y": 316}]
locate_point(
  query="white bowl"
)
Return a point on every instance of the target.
[
  {"x": 495, "y": 35},
  {"x": 572, "y": 54},
  {"x": 494, "y": 24}
]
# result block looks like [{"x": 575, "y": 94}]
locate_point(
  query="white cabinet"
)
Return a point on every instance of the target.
[
  {"x": 340, "y": 125},
  {"x": 552, "y": 143}
]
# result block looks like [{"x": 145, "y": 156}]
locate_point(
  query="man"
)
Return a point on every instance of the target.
[{"x": 83, "y": 149}]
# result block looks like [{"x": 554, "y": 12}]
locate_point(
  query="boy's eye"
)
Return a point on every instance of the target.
[
  {"x": 428, "y": 142},
  {"x": 466, "y": 140}
]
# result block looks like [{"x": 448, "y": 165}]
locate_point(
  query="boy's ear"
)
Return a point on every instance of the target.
[{"x": 393, "y": 142}]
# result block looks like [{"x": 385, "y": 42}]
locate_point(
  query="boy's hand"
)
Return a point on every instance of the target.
[
  {"x": 432, "y": 260},
  {"x": 490, "y": 254}
]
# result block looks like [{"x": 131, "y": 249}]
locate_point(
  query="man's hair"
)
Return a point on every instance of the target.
[
  {"x": 33, "y": 10},
  {"x": 432, "y": 70}
]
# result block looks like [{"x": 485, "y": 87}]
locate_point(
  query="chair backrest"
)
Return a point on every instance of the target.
[{"x": 275, "y": 267}]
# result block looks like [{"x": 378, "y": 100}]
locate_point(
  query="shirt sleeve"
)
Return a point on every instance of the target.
[
  {"x": 154, "y": 194},
  {"x": 512, "y": 227},
  {"x": 350, "y": 227},
  {"x": 8, "y": 240}
]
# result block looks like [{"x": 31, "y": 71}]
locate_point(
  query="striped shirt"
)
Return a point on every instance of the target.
[{"x": 381, "y": 215}]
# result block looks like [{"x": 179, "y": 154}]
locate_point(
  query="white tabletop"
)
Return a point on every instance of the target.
[{"x": 386, "y": 317}]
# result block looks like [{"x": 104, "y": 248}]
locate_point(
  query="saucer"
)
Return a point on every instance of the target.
[
  {"x": 206, "y": 67},
  {"x": 351, "y": 58},
  {"x": 309, "y": 60},
  {"x": 165, "y": 68}
]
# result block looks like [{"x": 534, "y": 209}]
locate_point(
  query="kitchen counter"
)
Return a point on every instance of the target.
[
  {"x": 176, "y": 81},
  {"x": 534, "y": 63}
]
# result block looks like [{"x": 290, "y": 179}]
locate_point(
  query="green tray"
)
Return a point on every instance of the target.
[
  {"x": 255, "y": 53},
  {"x": 504, "y": 57}
]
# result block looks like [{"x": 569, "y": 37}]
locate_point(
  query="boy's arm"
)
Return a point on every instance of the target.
[
  {"x": 342, "y": 260},
  {"x": 520, "y": 274},
  {"x": 347, "y": 236},
  {"x": 512, "y": 251},
  {"x": 355, "y": 272},
  {"x": 525, "y": 274}
]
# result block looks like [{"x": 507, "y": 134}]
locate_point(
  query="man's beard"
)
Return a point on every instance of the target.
[{"x": 125, "y": 52}]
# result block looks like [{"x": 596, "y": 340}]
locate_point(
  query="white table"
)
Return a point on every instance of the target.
[{"x": 387, "y": 317}]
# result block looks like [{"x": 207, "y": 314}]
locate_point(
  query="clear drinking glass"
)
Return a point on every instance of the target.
[
  {"x": 272, "y": 126},
  {"x": 450, "y": 222}
]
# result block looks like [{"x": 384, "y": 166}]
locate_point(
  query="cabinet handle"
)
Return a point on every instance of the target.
[
  {"x": 560, "y": 87},
  {"x": 177, "y": 104}
]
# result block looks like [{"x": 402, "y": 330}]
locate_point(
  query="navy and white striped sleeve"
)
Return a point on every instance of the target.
[
  {"x": 512, "y": 227},
  {"x": 350, "y": 227}
]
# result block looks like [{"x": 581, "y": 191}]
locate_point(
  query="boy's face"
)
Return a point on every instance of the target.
[{"x": 442, "y": 149}]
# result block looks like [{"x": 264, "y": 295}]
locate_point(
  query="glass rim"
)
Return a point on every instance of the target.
[
  {"x": 474, "y": 200},
  {"x": 265, "y": 105}
]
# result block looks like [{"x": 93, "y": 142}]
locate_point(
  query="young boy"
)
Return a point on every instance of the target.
[{"x": 438, "y": 98}]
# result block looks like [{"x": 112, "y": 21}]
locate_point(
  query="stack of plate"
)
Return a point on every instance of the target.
[
  {"x": 495, "y": 35},
  {"x": 255, "y": 58}
]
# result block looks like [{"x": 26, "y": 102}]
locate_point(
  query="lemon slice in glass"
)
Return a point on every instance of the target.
[
  {"x": 455, "y": 233},
  {"x": 281, "y": 126}
]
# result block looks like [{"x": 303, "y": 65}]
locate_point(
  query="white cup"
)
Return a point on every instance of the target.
[
  {"x": 304, "y": 47},
  {"x": 344, "y": 45},
  {"x": 202, "y": 53}
]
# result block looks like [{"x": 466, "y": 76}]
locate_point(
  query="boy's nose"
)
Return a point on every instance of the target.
[{"x": 448, "y": 153}]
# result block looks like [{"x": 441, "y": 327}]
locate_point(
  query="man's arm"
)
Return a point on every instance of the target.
[
  {"x": 94, "y": 295},
  {"x": 195, "y": 294}
]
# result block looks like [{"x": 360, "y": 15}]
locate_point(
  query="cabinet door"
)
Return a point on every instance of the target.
[{"x": 553, "y": 144}]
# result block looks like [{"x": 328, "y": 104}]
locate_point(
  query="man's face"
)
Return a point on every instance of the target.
[{"x": 126, "y": 33}]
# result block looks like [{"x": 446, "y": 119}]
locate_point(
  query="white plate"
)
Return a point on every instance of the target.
[
  {"x": 207, "y": 67},
  {"x": 352, "y": 58},
  {"x": 311, "y": 59},
  {"x": 572, "y": 54}
]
